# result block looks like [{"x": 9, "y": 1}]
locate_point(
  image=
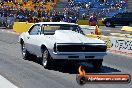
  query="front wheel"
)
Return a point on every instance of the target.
[
  {"x": 25, "y": 53},
  {"x": 46, "y": 58}
]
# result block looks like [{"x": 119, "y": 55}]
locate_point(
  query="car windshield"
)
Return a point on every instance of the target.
[{"x": 49, "y": 29}]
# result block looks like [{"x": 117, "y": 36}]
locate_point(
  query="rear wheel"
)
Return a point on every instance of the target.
[
  {"x": 97, "y": 64},
  {"x": 46, "y": 58},
  {"x": 108, "y": 24}
]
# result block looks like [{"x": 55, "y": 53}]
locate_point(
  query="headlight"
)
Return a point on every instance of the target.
[{"x": 103, "y": 19}]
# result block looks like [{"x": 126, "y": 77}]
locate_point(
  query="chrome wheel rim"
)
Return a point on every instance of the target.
[
  {"x": 45, "y": 56},
  {"x": 108, "y": 23},
  {"x": 23, "y": 50}
]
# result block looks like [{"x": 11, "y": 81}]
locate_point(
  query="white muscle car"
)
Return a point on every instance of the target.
[{"x": 61, "y": 41}]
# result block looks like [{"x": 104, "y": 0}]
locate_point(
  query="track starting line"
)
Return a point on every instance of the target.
[{"x": 4, "y": 83}]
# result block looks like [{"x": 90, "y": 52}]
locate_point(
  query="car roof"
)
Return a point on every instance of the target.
[{"x": 56, "y": 23}]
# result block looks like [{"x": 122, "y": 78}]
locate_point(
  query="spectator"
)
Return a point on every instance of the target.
[
  {"x": 3, "y": 20},
  {"x": 39, "y": 14},
  {"x": 86, "y": 5},
  {"x": 73, "y": 19},
  {"x": 35, "y": 20},
  {"x": 65, "y": 18},
  {"x": 10, "y": 20},
  {"x": 56, "y": 18},
  {"x": 35, "y": 13},
  {"x": 30, "y": 19},
  {"x": 21, "y": 18},
  {"x": 84, "y": 16},
  {"x": 53, "y": 1},
  {"x": 27, "y": 12},
  {"x": 93, "y": 20},
  {"x": 43, "y": 13}
]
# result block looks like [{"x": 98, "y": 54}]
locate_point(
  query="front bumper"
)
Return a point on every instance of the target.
[{"x": 78, "y": 55}]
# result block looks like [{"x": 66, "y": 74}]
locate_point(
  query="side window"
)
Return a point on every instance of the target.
[
  {"x": 50, "y": 29},
  {"x": 35, "y": 30},
  {"x": 118, "y": 16}
]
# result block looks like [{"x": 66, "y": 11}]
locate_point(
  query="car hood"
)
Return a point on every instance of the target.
[{"x": 69, "y": 36}]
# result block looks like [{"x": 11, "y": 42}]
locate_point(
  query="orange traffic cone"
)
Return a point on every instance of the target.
[{"x": 97, "y": 31}]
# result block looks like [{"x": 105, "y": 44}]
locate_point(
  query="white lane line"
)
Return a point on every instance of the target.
[{"x": 4, "y": 83}]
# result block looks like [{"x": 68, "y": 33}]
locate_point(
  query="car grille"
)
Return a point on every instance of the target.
[{"x": 81, "y": 48}]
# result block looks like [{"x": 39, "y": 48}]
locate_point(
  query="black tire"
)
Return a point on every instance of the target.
[
  {"x": 46, "y": 58},
  {"x": 97, "y": 64},
  {"x": 25, "y": 54},
  {"x": 81, "y": 80}
]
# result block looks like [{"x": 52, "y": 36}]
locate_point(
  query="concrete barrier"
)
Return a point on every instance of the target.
[
  {"x": 20, "y": 27},
  {"x": 86, "y": 22},
  {"x": 83, "y": 22},
  {"x": 100, "y": 23},
  {"x": 106, "y": 39},
  {"x": 126, "y": 28},
  {"x": 117, "y": 44},
  {"x": 121, "y": 44}
]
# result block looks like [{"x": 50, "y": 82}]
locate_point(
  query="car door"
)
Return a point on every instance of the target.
[
  {"x": 33, "y": 39},
  {"x": 126, "y": 18}
]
